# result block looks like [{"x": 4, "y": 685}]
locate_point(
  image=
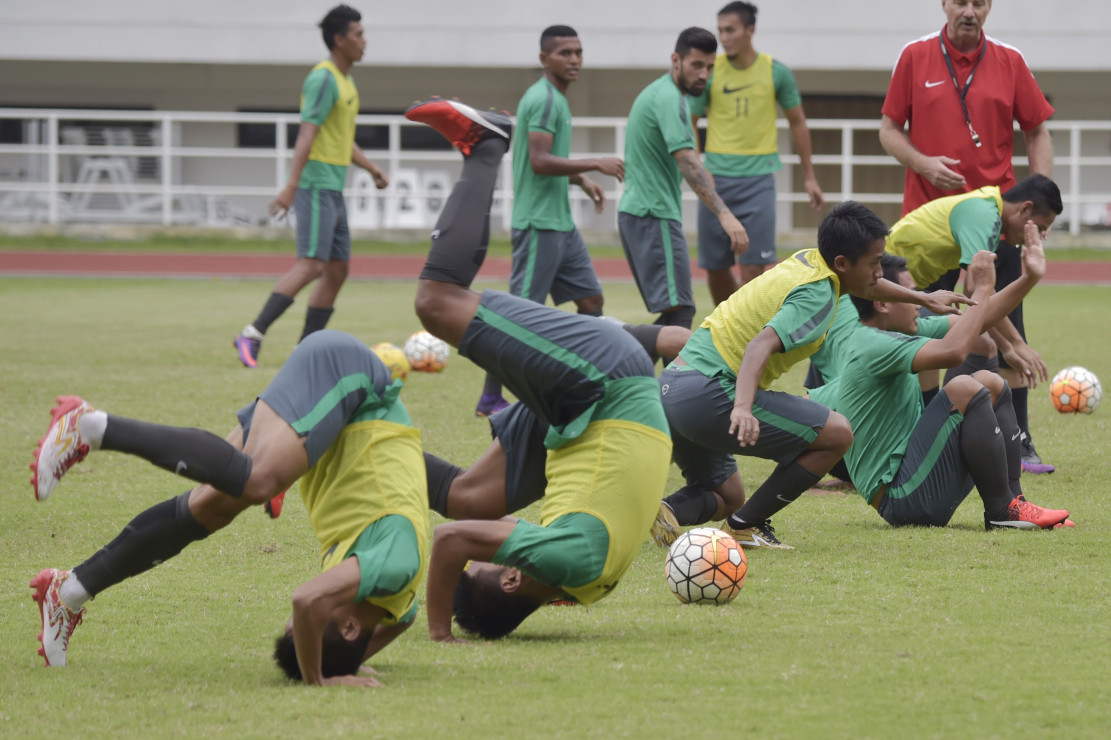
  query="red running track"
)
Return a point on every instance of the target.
[{"x": 366, "y": 267}]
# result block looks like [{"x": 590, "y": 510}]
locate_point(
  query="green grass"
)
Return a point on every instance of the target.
[{"x": 862, "y": 631}]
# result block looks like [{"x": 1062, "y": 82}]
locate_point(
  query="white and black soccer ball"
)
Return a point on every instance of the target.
[
  {"x": 705, "y": 566},
  {"x": 427, "y": 353}
]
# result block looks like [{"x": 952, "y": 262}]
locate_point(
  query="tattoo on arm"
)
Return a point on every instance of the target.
[{"x": 701, "y": 182}]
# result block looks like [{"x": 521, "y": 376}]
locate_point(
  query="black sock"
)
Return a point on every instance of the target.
[
  {"x": 274, "y": 307},
  {"x": 315, "y": 320},
  {"x": 595, "y": 312},
  {"x": 463, "y": 229},
  {"x": 985, "y": 455},
  {"x": 682, "y": 316},
  {"x": 692, "y": 505},
  {"x": 191, "y": 453},
  {"x": 840, "y": 470},
  {"x": 786, "y": 483},
  {"x": 647, "y": 335},
  {"x": 971, "y": 364},
  {"x": 928, "y": 395},
  {"x": 1008, "y": 425},
  {"x": 491, "y": 386},
  {"x": 156, "y": 535},
  {"x": 1019, "y": 399},
  {"x": 440, "y": 474}
]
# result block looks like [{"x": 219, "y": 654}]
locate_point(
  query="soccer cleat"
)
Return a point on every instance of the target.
[
  {"x": 1021, "y": 514},
  {"x": 490, "y": 404},
  {"x": 1031, "y": 463},
  {"x": 61, "y": 448},
  {"x": 274, "y": 506},
  {"x": 58, "y": 621},
  {"x": 759, "y": 535},
  {"x": 247, "y": 344},
  {"x": 666, "y": 528},
  {"x": 459, "y": 123}
]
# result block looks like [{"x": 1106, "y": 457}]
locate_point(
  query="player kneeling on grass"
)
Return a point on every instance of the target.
[
  {"x": 588, "y": 381},
  {"x": 916, "y": 465},
  {"x": 332, "y": 418}
]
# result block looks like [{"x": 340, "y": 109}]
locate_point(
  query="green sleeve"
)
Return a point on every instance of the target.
[
  {"x": 975, "y": 224},
  {"x": 318, "y": 95},
  {"x": 674, "y": 120},
  {"x": 805, "y": 315},
  {"x": 541, "y": 111},
  {"x": 934, "y": 327},
  {"x": 786, "y": 91}
]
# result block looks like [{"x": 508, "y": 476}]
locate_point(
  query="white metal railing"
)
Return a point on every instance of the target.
[{"x": 33, "y": 186}]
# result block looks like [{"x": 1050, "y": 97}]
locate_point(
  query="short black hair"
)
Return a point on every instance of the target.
[
  {"x": 695, "y": 38},
  {"x": 848, "y": 230},
  {"x": 339, "y": 656},
  {"x": 487, "y": 611},
  {"x": 892, "y": 265},
  {"x": 1039, "y": 190},
  {"x": 336, "y": 22},
  {"x": 551, "y": 33},
  {"x": 745, "y": 11}
]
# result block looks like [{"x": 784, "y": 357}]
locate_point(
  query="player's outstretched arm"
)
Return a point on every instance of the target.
[
  {"x": 952, "y": 349},
  {"x": 702, "y": 183},
  {"x": 757, "y": 353},
  {"x": 941, "y": 302},
  {"x": 453, "y": 545},
  {"x": 313, "y": 604}
]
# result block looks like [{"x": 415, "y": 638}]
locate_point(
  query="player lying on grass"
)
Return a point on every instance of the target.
[
  {"x": 716, "y": 393},
  {"x": 587, "y": 381},
  {"x": 332, "y": 418},
  {"x": 916, "y": 465}
]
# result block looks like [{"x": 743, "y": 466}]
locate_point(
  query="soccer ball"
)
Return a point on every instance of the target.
[
  {"x": 426, "y": 353},
  {"x": 1075, "y": 390},
  {"x": 394, "y": 358},
  {"x": 705, "y": 566}
]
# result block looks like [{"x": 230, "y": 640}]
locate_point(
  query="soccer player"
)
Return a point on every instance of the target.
[
  {"x": 944, "y": 234},
  {"x": 325, "y": 146},
  {"x": 717, "y": 391},
  {"x": 587, "y": 381},
  {"x": 660, "y": 153},
  {"x": 549, "y": 255},
  {"x": 916, "y": 464},
  {"x": 742, "y": 149},
  {"x": 332, "y": 418}
]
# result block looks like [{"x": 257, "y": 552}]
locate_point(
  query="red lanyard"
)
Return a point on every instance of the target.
[{"x": 967, "y": 83}]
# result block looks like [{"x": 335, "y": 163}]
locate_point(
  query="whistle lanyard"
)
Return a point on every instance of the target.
[{"x": 967, "y": 83}]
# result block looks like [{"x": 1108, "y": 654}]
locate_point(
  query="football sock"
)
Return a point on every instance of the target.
[
  {"x": 491, "y": 386},
  {"x": 682, "y": 316},
  {"x": 928, "y": 395},
  {"x": 1019, "y": 398},
  {"x": 647, "y": 335},
  {"x": 156, "y": 535},
  {"x": 786, "y": 483},
  {"x": 985, "y": 456},
  {"x": 440, "y": 475},
  {"x": 1012, "y": 439},
  {"x": 463, "y": 229},
  {"x": 191, "y": 453},
  {"x": 72, "y": 593},
  {"x": 971, "y": 364},
  {"x": 274, "y": 307},
  {"x": 692, "y": 505},
  {"x": 90, "y": 426},
  {"x": 315, "y": 320},
  {"x": 840, "y": 470}
]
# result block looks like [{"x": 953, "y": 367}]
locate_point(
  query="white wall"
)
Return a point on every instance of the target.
[{"x": 637, "y": 34}]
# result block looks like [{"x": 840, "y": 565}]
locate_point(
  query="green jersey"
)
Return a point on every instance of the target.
[
  {"x": 879, "y": 394},
  {"x": 828, "y": 357},
  {"x": 329, "y": 100},
  {"x": 541, "y": 201},
  {"x": 659, "y": 125}
]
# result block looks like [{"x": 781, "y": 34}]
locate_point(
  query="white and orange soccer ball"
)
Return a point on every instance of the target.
[
  {"x": 1075, "y": 390},
  {"x": 705, "y": 566},
  {"x": 426, "y": 353},
  {"x": 393, "y": 357}
]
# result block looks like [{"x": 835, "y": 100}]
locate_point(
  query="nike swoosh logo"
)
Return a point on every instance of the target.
[
  {"x": 352, "y": 99},
  {"x": 181, "y": 467},
  {"x": 730, "y": 90},
  {"x": 1016, "y": 436},
  {"x": 935, "y": 84},
  {"x": 766, "y": 255},
  {"x": 784, "y": 500}
]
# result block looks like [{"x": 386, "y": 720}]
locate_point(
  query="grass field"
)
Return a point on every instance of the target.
[{"x": 862, "y": 631}]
